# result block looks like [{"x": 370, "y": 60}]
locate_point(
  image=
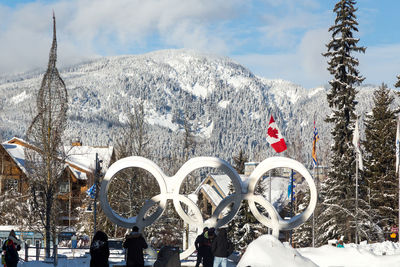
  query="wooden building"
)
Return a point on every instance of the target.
[
  {"x": 77, "y": 176},
  {"x": 212, "y": 190}
]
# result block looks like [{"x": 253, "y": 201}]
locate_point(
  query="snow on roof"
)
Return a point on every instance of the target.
[
  {"x": 279, "y": 188},
  {"x": 82, "y": 157},
  {"x": 212, "y": 194},
  {"x": 17, "y": 153},
  {"x": 223, "y": 181},
  {"x": 9, "y": 227},
  {"x": 85, "y": 156}
]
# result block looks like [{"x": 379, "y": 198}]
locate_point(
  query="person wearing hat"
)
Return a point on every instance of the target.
[
  {"x": 10, "y": 250},
  {"x": 135, "y": 243}
]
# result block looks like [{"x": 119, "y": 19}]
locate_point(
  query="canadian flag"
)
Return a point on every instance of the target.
[{"x": 274, "y": 137}]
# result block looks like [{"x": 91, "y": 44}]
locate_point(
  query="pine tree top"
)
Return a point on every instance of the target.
[{"x": 398, "y": 82}]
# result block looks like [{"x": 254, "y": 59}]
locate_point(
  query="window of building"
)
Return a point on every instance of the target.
[
  {"x": 216, "y": 190},
  {"x": 11, "y": 185},
  {"x": 64, "y": 187}
]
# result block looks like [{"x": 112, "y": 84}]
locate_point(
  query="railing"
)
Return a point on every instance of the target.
[
  {"x": 116, "y": 258},
  {"x": 38, "y": 254}
]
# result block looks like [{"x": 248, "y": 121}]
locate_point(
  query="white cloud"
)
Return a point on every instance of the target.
[
  {"x": 310, "y": 52},
  {"x": 282, "y": 25},
  {"x": 86, "y": 28},
  {"x": 306, "y": 66},
  {"x": 380, "y": 64},
  {"x": 197, "y": 37}
]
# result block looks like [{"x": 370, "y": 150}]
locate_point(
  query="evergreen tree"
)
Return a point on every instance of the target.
[
  {"x": 239, "y": 161},
  {"x": 302, "y": 235},
  {"x": 398, "y": 82},
  {"x": 339, "y": 191},
  {"x": 244, "y": 227},
  {"x": 380, "y": 158}
]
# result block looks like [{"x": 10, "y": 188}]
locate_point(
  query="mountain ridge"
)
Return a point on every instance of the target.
[{"x": 227, "y": 104}]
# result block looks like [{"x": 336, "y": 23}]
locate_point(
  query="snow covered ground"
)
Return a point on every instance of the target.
[{"x": 267, "y": 251}]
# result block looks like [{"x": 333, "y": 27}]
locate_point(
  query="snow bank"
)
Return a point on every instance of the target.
[
  {"x": 353, "y": 255},
  {"x": 268, "y": 251}
]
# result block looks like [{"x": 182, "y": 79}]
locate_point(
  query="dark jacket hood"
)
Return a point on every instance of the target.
[{"x": 134, "y": 235}]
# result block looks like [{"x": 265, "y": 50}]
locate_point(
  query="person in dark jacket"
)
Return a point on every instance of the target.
[
  {"x": 10, "y": 249},
  {"x": 168, "y": 256},
  {"x": 221, "y": 248},
  {"x": 208, "y": 257},
  {"x": 135, "y": 243},
  {"x": 200, "y": 244},
  {"x": 99, "y": 250}
]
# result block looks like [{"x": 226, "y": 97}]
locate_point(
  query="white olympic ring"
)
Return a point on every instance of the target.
[{"x": 169, "y": 189}]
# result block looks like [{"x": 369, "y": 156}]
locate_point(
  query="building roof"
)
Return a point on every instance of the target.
[
  {"x": 279, "y": 188},
  {"x": 85, "y": 156},
  {"x": 17, "y": 153},
  {"x": 80, "y": 159},
  {"x": 212, "y": 194}
]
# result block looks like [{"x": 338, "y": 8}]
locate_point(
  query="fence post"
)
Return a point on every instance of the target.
[
  {"x": 37, "y": 251},
  {"x": 55, "y": 255},
  {"x": 26, "y": 251}
]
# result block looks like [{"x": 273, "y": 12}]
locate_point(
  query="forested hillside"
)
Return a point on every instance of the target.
[{"x": 225, "y": 104}]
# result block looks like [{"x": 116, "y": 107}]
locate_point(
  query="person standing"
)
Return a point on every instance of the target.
[
  {"x": 168, "y": 256},
  {"x": 199, "y": 243},
  {"x": 74, "y": 244},
  {"x": 10, "y": 250},
  {"x": 135, "y": 243},
  {"x": 221, "y": 248},
  {"x": 394, "y": 233},
  {"x": 208, "y": 257},
  {"x": 99, "y": 250}
]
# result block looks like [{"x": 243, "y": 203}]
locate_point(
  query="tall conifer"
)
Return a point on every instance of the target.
[
  {"x": 398, "y": 81},
  {"x": 339, "y": 191},
  {"x": 380, "y": 158}
]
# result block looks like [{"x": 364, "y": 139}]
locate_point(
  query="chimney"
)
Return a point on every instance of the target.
[
  {"x": 76, "y": 142},
  {"x": 249, "y": 167}
]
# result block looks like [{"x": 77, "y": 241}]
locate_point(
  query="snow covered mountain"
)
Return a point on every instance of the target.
[{"x": 227, "y": 104}]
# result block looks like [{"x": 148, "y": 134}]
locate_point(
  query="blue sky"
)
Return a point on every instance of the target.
[{"x": 275, "y": 39}]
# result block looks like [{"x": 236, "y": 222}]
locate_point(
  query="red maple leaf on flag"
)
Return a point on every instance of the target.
[{"x": 273, "y": 132}]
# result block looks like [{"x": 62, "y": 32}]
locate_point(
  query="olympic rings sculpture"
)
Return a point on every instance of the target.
[{"x": 169, "y": 189}]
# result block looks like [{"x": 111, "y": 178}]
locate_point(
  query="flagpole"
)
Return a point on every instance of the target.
[
  {"x": 356, "y": 198},
  {"x": 313, "y": 220},
  {"x": 359, "y": 165},
  {"x": 276, "y": 141},
  {"x": 315, "y": 164},
  {"x": 270, "y": 199},
  {"x": 398, "y": 163},
  {"x": 291, "y": 205}
]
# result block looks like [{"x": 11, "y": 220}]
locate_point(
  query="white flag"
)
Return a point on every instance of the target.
[
  {"x": 356, "y": 144},
  {"x": 398, "y": 145}
]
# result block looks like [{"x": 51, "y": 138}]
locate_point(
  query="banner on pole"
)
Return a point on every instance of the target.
[{"x": 356, "y": 144}]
